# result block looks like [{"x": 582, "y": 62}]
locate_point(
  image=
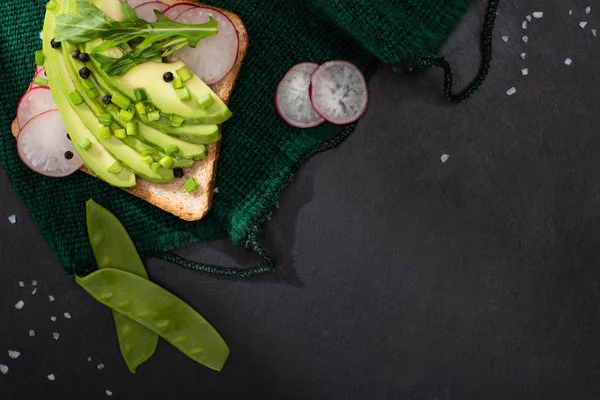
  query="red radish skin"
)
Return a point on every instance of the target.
[
  {"x": 41, "y": 72},
  {"x": 338, "y": 92},
  {"x": 42, "y": 144},
  {"x": 214, "y": 56},
  {"x": 176, "y": 10},
  {"x": 36, "y": 101},
  {"x": 292, "y": 100},
  {"x": 146, "y": 11}
]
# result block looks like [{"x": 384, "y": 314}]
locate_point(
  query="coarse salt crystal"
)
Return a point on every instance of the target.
[
  {"x": 67, "y": 315},
  {"x": 55, "y": 335},
  {"x": 525, "y": 39},
  {"x": 108, "y": 392},
  {"x": 525, "y": 71},
  {"x": 31, "y": 332},
  {"x": 505, "y": 38},
  {"x": 19, "y": 304},
  {"x": 216, "y": 190},
  {"x": 594, "y": 32},
  {"x": 523, "y": 55},
  {"x": 588, "y": 9},
  {"x": 34, "y": 291},
  {"x": 3, "y": 369},
  {"x": 568, "y": 61},
  {"x": 89, "y": 359},
  {"x": 53, "y": 318},
  {"x": 444, "y": 158},
  {"x": 524, "y": 24},
  {"x": 583, "y": 24},
  {"x": 14, "y": 354},
  {"x": 42, "y": 35},
  {"x": 50, "y": 297},
  {"x": 538, "y": 14},
  {"x": 51, "y": 377},
  {"x": 21, "y": 283},
  {"x": 34, "y": 283},
  {"x": 12, "y": 219},
  {"x": 511, "y": 91},
  {"x": 100, "y": 366},
  {"x": 528, "y": 18}
]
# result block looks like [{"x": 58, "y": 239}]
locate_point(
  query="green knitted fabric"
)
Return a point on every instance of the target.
[{"x": 259, "y": 152}]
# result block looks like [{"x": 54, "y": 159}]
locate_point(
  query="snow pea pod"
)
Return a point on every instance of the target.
[
  {"x": 160, "y": 311},
  {"x": 113, "y": 248}
]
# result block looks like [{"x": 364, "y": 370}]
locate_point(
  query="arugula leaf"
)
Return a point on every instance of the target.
[{"x": 157, "y": 38}]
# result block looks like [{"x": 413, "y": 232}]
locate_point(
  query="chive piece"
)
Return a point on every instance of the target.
[
  {"x": 206, "y": 101},
  {"x": 85, "y": 144},
  {"x": 39, "y": 58},
  {"x": 121, "y": 100},
  {"x": 183, "y": 94},
  {"x": 89, "y": 85},
  {"x": 166, "y": 162},
  {"x": 115, "y": 168},
  {"x": 140, "y": 95},
  {"x": 184, "y": 73},
  {"x": 105, "y": 132},
  {"x": 51, "y": 5},
  {"x": 93, "y": 92},
  {"x": 176, "y": 120},
  {"x": 177, "y": 83},
  {"x": 125, "y": 115},
  {"x": 75, "y": 98},
  {"x": 40, "y": 81},
  {"x": 120, "y": 133},
  {"x": 132, "y": 128},
  {"x": 153, "y": 116},
  {"x": 171, "y": 149},
  {"x": 148, "y": 159},
  {"x": 155, "y": 166},
  {"x": 141, "y": 109},
  {"x": 105, "y": 119},
  {"x": 191, "y": 185}
]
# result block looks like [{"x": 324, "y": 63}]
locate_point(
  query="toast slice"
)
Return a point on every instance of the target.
[{"x": 172, "y": 197}]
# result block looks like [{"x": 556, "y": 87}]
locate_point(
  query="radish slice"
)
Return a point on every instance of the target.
[
  {"x": 214, "y": 56},
  {"x": 41, "y": 72},
  {"x": 338, "y": 92},
  {"x": 292, "y": 99},
  {"x": 44, "y": 147},
  {"x": 135, "y": 3},
  {"x": 33, "y": 103},
  {"x": 177, "y": 9},
  {"x": 146, "y": 11}
]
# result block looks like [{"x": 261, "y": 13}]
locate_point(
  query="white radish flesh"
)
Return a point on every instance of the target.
[
  {"x": 33, "y": 103},
  {"x": 292, "y": 98},
  {"x": 214, "y": 56},
  {"x": 44, "y": 147},
  {"x": 146, "y": 11},
  {"x": 177, "y": 9},
  {"x": 135, "y": 3},
  {"x": 338, "y": 91}
]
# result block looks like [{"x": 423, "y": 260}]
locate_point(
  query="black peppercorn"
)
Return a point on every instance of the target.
[
  {"x": 84, "y": 57},
  {"x": 75, "y": 54},
  {"x": 68, "y": 155},
  {"x": 168, "y": 76},
  {"x": 54, "y": 44},
  {"x": 107, "y": 99},
  {"x": 85, "y": 72},
  {"x": 178, "y": 172}
]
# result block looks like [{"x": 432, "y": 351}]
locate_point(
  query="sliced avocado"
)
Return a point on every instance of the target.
[
  {"x": 200, "y": 134},
  {"x": 156, "y": 154},
  {"x": 96, "y": 158},
  {"x": 112, "y": 8},
  {"x": 160, "y": 140}
]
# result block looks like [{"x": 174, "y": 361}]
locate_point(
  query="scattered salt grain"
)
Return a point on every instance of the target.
[
  {"x": 528, "y": 18},
  {"x": 523, "y": 55},
  {"x": 108, "y": 392},
  {"x": 505, "y": 38},
  {"x": 12, "y": 219},
  {"x": 583, "y": 24},
  {"x": 20, "y": 304},
  {"x": 53, "y": 318},
  {"x": 55, "y": 335},
  {"x": 588, "y": 9},
  {"x": 568, "y": 61},
  {"x": 42, "y": 35},
  {"x": 34, "y": 291},
  {"x": 51, "y": 377},
  {"x": 34, "y": 283},
  {"x": 67, "y": 315},
  {"x": 216, "y": 190},
  {"x": 524, "y": 24},
  {"x": 89, "y": 359},
  {"x": 594, "y": 32},
  {"x": 525, "y": 71},
  {"x": 14, "y": 354},
  {"x": 511, "y": 91},
  {"x": 31, "y": 332},
  {"x": 21, "y": 283},
  {"x": 444, "y": 158},
  {"x": 50, "y": 297},
  {"x": 570, "y": 12},
  {"x": 525, "y": 39},
  {"x": 100, "y": 366},
  {"x": 3, "y": 369},
  {"x": 538, "y": 14}
]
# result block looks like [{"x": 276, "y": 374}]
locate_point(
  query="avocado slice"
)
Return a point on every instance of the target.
[
  {"x": 96, "y": 158},
  {"x": 160, "y": 140},
  {"x": 200, "y": 134}
]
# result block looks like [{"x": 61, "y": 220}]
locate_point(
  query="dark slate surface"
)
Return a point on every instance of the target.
[{"x": 401, "y": 277}]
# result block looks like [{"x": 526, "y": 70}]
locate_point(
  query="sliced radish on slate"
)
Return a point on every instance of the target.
[
  {"x": 214, "y": 56},
  {"x": 176, "y": 10},
  {"x": 44, "y": 147},
  {"x": 292, "y": 99},
  {"x": 145, "y": 11},
  {"x": 34, "y": 102},
  {"x": 338, "y": 92}
]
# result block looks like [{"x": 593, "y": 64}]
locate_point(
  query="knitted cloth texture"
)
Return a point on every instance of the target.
[{"x": 259, "y": 152}]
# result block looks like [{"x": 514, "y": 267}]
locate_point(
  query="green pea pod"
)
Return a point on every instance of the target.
[
  {"x": 113, "y": 248},
  {"x": 160, "y": 311}
]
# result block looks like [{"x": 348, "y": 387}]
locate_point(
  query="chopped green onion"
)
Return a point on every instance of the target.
[
  {"x": 141, "y": 109},
  {"x": 176, "y": 120},
  {"x": 191, "y": 185},
  {"x": 115, "y": 168},
  {"x": 125, "y": 115},
  {"x": 148, "y": 159},
  {"x": 183, "y": 94},
  {"x": 206, "y": 101},
  {"x": 183, "y": 163},
  {"x": 105, "y": 119},
  {"x": 51, "y": 5},
  {"x": 184, "y": 73},
  {"x": 177, "y": 83},
  {"x": 149, "y": 153},
  {"x": 105, "y": 132},
  {"x": 166, "y": 162},
  {"x": 120, "y": 133},
  {"x": 89, "y": 85},
  {"x": 140, "y": 95},
  {"x": 40, "y": 81},
  {"x": 153, "y": 116},
  {"x": 171, "y": 149},
  {"x": 155, "y": 166},
  {"x": 132, "y": 128},
  {"x": 93, "y": 92},
  {"x": 39, "y": 58},
  {"x": 121, "y": 100},
  {"x": 75, "y": 98},
  {"x": 85, "y": 144}
]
